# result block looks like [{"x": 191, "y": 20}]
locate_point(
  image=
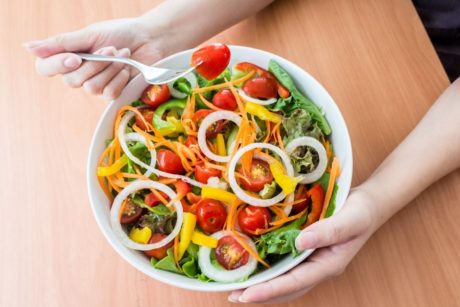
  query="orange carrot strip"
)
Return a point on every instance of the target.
[{"x": 335, "y": 170}]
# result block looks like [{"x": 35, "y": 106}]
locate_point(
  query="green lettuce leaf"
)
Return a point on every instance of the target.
[{"x": 167, "y": 263}]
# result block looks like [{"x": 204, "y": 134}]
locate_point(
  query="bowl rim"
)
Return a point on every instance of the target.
[{"x": 219, "y": 287}]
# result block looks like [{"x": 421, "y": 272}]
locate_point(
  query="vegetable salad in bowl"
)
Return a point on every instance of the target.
[{"x": 214, "y": 175}]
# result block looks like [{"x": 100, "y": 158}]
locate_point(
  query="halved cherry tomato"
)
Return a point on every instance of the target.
[
  {"x": 152, "y": 200},
  {"x": 131, "y": 213},
  {"x": 214, "y": 129},
  {"x": 252, "y": 218},
  {"x": 154, "y": 95},
  {"x": 224, "y": 99},
  {"x": 211, "y": 215},
  {"x": 169, "y": 162},
  {"x": 230, "y": 254},
  {"x": 259, "y": 175},
  {"x": 148, "y": 116},
  {"x": 261, "y": 87},
  {"x": 246, "y": 67},
  {"x": 202, "y": 173},
  {"x": 200, "y": 114},
  {"x": 182, "y": 187},
  {"x": 158, "y": 253},
  {"x": 213, "y": 58}
]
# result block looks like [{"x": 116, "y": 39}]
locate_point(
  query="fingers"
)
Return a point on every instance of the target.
[
  {"x": 66, "y": 42},
  {"x": 97, "y": 84},
  {"x": 235, "y": 295},
  {"x": 116, "y": 85},
  {"x": 352, "y": 220},
  {"x": 88, "y": 69},
  {"x": 57, "y": 64}
]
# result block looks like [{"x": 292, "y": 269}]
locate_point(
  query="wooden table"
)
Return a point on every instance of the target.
[{"x": 373, "y": 56}]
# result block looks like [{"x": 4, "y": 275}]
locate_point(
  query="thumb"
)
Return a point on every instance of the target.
[
  {"x": 66, "y": 42},
  {"x": 329, "y": 231}
]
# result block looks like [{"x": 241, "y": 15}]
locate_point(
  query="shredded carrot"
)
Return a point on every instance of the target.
[
  {"x": 167, "y": 180},
  {"x": 288, "y": 219},
  {"x": 250, "y": 250},
  {"x": 335, "y": 169},
  {"x": 267, "y": 137},
  {"x": 122, "y": 209},
  {"x": 159, "y": 196},
  {"x": 225, "y": 84},
  {"x": 208, "y": 103}
]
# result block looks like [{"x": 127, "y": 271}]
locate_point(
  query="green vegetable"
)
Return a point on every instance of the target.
[
  {"x": 231, "y": 138},
  {"x": 280, "y": 241},
  {"x": 296, "y": 100},
  {"x": 157, "y": 223},
  {"x": 171, "y": 124},
  {"x": 182, "y": 85},
  {"x": 324, "y": 180},
  {"x": 137, "y": 103},
  {"x": 237, "y": 74},
  {"x": 202, "y": 82},
  {"x": 167, "y": 263},
  {"x": 189, "y": 263},
  {"x": 268, "y": 190}
]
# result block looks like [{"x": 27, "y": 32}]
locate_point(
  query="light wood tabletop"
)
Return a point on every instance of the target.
[{"x": 374, "y": 58}]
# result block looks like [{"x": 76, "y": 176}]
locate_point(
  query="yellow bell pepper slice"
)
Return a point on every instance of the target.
[
  {"x": 104, "y": 171},
  {"x": 140, "y": 235},
  {"x": 262, "y": 112},
  {"x": 188, "y": 226},
  {"x": 221, "y": 149},
  {"x": 174, "y": 128},
  {"x": 201, "y": 239},
  {"x": 218, "y": 194},
  {"x": 286, "y": 182}
]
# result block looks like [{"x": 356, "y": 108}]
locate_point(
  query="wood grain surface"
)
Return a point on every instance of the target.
[{"x": 373, "y": 56}]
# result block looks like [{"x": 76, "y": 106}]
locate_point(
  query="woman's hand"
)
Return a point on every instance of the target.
[
  {"x": 119, "y": 37},
  {"x": 337, "y": 238}
]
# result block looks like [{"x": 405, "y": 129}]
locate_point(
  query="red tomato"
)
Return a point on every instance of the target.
[
  {"x": 202, "y": 174},
  {"x": 213, "y": 58},
  {"x": 154, "y": 95},
  {"x": 261, "y": 87},
  {"x": 131, "y": 213},
  {"x": 182, "y": 187},
  {"x": 200, "y": 114},
  {"x": 148, "y": 116},
  {"x": 224, "y": 99},
  {"x": 260, "y": 175},
  {"x": 190, "y": 140},
  {"x": 152, "y": 200},
  {"x": 211, "y": 215},
  {"x": 158, "y": 253},
  {"x": 169, "y": 162},
  {"x": 252, "y": 218},
  {"x": 297, "y": 208},
  {"x": 230, "y": 254}
]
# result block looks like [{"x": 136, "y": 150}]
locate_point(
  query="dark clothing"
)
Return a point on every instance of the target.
[{"x": 442, "y": 22}]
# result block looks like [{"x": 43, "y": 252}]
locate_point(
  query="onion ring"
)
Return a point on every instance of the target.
[
  {"x": 223, "y": 275},
  {"x": 255, "y": 100},
  {"x": 208, "y": 121},
  {"x": 115, "y": 212},
  {"x": 190, "y": 77},
  {"x": 258, "y": 202},
  {"x": 122, "y": 139},
  {"x": 316, "y": 145}
]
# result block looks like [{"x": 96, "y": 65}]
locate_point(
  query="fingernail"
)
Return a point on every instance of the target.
[
  {"x": 306, "y": 240},
  {"x": 31, "y": 44},
  {"x": 242, "y": 299},
  {"x": 124, "y": 51},
  {"x": 233, "y": 297},
  {"x": 72, "y": 62}
]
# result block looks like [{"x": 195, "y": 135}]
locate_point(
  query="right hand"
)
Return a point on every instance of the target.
[{"x": 120, "y": 37}]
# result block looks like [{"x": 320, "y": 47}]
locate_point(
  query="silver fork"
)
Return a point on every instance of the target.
[{"x": 153, "y": 75}]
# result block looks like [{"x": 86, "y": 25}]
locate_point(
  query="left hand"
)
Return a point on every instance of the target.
[{"x": 337, "y": 239}]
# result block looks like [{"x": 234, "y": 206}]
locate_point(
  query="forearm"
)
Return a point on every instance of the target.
[
  {"x": 181, "y": 24},
  {"x": 429, "y": 152}
]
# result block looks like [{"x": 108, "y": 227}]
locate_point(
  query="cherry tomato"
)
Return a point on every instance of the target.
[
  {"x": 169, "y": 162},
  {"x": 158, "y": 253},
  {"x": 182, "y": 187},
  {"x": 230, "y": 254},
  {"x": 252, "y": 218},
  {"x": 200, "y": 114},
  {"x": 148, "y": 116},
  {"x": 247, "y": 67},
  {"x": 259, "y": 175},
  {"x": 214, "y": 59},
  {"x": 190, "y": 140},
  {"x": 154, "y": 95},
  {"x": 211, "y": 215},
  {"x": 224, "y": 99},
  {"x": 202, "y": 174},
  {"x": 131, "y": 213},
  {"x": 152, "y": 200},
  {"x": 261, "y": 87}
]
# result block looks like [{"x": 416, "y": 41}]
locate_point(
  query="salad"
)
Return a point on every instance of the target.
[{"x": 214, "y": 175}]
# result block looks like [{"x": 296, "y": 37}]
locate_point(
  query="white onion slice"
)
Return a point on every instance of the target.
[
  {"x": 190, "y": 77},
  {"x": 208, "y": 121},
  {"x": 316, "y": 145},
  {"x": 258, "y": 202},
  {"x": 223, "y": 275},
  {"x": 115, "y": 212},
  {"x": 265, "y": 102},
  {"x": 122, "y": 138},
  {"x": 216, "y": 183}
]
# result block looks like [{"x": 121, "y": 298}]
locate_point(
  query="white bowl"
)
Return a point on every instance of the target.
[{"x": 100, "y": 205}]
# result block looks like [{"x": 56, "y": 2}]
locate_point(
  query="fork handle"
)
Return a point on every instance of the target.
[{"x": 106, "y": 58}]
